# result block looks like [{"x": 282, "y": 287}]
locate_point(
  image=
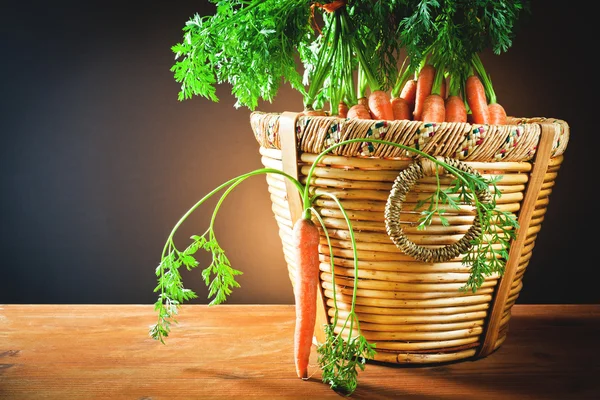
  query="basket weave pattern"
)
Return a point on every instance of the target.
[
  {"x": 515, "y": 141},
  {"x": 413, "y": 310},
  {"x": 394, "y": 218}
]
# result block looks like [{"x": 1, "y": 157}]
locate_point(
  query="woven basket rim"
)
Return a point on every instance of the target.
[{"x": 515, "y": 141}]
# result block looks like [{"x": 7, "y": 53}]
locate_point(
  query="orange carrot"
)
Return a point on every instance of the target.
[
  {"x": 409, "y": 91},
  {"x": 359, "y": 111},
  {"x": 433, "y": 109},
  {"x": 401, "y": 108},
  {"x": 314, "y": 113},
  {"x": 342, "y": 109},
  {"x": 497, "y": 114},
  {"x": 365, "y": 102},
  {"x": 423, "y": 89},
  {"x": 455, "y": 109},
  {"x": 306, "y": 280},
  {"x": 477, "y": 100},
  {"x": 380, "y": 105}
]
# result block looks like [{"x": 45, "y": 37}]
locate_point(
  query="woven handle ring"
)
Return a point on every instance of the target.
[{"x": 403, "y": 183}]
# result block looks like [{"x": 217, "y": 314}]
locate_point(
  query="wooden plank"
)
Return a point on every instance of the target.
[
  {"x": 228, "y": 351},
  {"x": 540, "y": 166},
  {"x": 289, "y": 152}
]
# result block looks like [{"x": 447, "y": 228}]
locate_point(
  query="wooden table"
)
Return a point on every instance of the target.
[{"x": 233, "y": 351}]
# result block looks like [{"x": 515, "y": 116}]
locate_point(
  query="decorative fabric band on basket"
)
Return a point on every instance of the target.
[
  {"x": 405, "y": 181},
  {"x": 515, "y": 141}
]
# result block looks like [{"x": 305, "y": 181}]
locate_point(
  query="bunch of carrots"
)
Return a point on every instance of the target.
[{"x": 433, "y": 95}]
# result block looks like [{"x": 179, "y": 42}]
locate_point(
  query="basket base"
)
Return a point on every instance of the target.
[{"x": 426, "y": 359}]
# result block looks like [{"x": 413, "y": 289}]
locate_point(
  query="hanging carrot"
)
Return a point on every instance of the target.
[
  {"x": 423, "y": 89},
  {"x": 380, "y": 105},
  {"x": 306, "y": 280}
]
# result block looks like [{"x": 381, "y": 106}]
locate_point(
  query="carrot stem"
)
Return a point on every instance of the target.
[
  {"x": 362, "y": 83},
  {"x": 332, "y": 264},
  {"x": 324, "y": 57},
  {"x": 406, "y": 73},
  {"x": 437, "y": 80},
  {"x": 358, "y": 46},
  {"x": 352, "y": 240},
  {"x": 485, "y": 79},
  {"x": 221, "y": 187},
  {"x": 454, "y": 86}
]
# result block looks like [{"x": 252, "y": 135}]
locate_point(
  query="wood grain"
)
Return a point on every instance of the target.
[
  {"x": 540, "y": 166},
  {"x": 229, "y": 351}
]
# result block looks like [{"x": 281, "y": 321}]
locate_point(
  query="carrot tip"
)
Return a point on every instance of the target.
[{"x": 303, "y": 375}]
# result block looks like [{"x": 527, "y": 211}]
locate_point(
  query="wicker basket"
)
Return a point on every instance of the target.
[{"x": 413, "y": 310}]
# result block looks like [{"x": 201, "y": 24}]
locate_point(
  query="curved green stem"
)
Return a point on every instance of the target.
[
  {"x": 355, "y": 257},
  {"x": 335, "y": 307},
  {"x": 223, "y": 196},
  {"x": 233, "y": 182},
  {"x": 219, "y": 188},
  {"x": 404, "y": 76}
]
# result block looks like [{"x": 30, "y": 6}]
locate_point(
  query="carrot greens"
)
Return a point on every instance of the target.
[
  {"x": 456, "y": 30},
  {"x": 317, "y": 48},
  {"x": 170, "y": 287},
  {"x": 249, "y": 44}
]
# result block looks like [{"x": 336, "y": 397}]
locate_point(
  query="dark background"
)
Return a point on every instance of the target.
[{"x": 99, "y": 160}]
